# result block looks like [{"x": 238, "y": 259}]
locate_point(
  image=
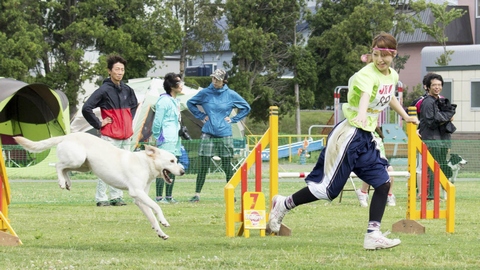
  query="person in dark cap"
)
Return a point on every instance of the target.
[{"x": 217, "y": 101}]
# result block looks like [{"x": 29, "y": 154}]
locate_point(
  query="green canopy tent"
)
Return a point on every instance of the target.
[{"x": 36, "y": 112}]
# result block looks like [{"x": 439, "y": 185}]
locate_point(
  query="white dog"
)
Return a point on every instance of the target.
[
  {"x": 132, "y": 171},
  {"x": 456, "y": 162}
]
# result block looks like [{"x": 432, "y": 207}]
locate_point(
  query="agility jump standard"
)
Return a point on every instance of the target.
[
  {"x": 254, "y": 202},
  {"x": 440, "y": 180},
  {"x": 5, "y": 238}
]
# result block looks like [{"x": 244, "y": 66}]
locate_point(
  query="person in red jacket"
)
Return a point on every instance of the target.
[{"x": 118, "y": 104}]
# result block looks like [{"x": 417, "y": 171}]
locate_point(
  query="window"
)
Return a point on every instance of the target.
[
  {"x": 447, "y": 90},
  {"x": 475, "y": 94},
  {"x": 477, "y": 5}
]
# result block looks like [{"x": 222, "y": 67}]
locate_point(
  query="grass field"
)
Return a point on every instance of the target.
[{"x": 65, "y": 230}]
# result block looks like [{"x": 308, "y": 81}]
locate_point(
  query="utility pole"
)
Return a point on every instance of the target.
[{"x": 297, "y": 91}]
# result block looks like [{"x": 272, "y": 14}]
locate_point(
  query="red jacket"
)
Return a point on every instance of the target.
[{"x": 115, "y": 101}]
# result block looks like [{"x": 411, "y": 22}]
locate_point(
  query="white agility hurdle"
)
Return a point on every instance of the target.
[{"x": 352, "y": 175}]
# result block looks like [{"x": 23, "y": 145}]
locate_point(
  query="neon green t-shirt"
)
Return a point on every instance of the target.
[{"x": 380, "y": 87}]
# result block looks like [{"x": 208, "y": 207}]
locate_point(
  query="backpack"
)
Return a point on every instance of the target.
[{"x": 417, "y": 103}]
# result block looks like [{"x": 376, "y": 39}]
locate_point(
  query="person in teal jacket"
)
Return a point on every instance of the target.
[
  {"x": 165, "y": 128},
  {"x": 217, "y": 101}
]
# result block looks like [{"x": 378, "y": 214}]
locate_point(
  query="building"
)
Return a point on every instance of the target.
[
  {"x": 462, "y": 31},
  {"x": 461, "y": 83}
]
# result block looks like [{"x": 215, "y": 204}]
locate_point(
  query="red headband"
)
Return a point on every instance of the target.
[{"x": 384, "y": 49}]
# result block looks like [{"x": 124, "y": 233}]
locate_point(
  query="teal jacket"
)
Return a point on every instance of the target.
[
  {"x": 166, "y": 124},
  {"x": 218, "y": 104}
]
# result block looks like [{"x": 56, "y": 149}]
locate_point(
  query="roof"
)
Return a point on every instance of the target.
[
  {"x": 464, "y": 55},
  {"x": 458, "y": 32}
]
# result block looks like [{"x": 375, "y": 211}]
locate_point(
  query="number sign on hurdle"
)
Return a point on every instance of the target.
[{"x": 254, "y": 212}]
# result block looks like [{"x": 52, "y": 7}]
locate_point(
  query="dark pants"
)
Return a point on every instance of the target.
[
  {"x": 203, "y": 168},
  {"x": 159, "y": 183}
]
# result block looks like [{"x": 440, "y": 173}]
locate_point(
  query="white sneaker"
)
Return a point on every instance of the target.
[
  {"x": 362, "y": 198},
  {"x": 277, "y": 213},
  {"x": 391, "y": 200},
  {"x": 377, "y": 240}
]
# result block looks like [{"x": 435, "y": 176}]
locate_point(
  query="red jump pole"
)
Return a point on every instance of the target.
[
  {"x": 258, "y": 168},
  {"x": 436, "y": 191}
]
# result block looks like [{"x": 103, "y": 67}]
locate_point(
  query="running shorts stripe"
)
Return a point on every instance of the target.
[{"x": 349, "y": 149}]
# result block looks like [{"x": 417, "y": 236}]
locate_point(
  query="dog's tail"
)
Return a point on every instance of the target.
[{"x": 40, "y": 146}]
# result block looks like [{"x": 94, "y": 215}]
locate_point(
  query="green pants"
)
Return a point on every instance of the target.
[
  {"x": 204, "y": 164},
  {"x": 159, "y": 183}
]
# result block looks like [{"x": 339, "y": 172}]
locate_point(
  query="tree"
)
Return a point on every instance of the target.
[
  {"x": 200, "y": 26},
  {"x": 137, "y": 29},
  {"x": 21, "y": 41},
  {"x": 261, "y": 35},
  {"x": 304, "y": 75},
  {"x": 437, "y": 29},
  {"x": 405, "y": 11},
  {"x": 342, "y": 30},
  {"x": 417, "y": 91}
]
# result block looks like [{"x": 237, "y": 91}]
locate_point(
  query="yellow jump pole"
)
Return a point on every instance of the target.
[
  {"x": 413, "y": 140},
  {"x": 273, "y": 119},
  {"x": 5, "y": 238},
  {"x": 409, "y": 224}
]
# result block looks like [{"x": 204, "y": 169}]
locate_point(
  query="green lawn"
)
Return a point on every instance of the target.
[{"x": 65, "y": 230}]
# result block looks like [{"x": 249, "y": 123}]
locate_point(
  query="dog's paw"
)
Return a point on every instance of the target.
[
  {"x": 165, "y": 223},
  {"x": 164, "y": 237},
  {"x": 161, "y": 234}
]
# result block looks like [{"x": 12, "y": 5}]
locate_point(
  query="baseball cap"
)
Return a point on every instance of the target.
[{"x": 219, "y": 74}]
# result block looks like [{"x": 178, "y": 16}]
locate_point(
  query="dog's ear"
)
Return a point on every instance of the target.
[
  {"x": 455, "y": 158},
  {"x": 150, "y": 150}
]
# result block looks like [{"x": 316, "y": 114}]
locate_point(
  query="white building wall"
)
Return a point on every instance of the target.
[
  {"x": 213, "y": 58},
  {"x": 467, "y": 119},
  {"x": 163, "y": 67}
]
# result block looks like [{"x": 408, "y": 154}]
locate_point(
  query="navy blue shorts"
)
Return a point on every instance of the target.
[{"x": 349, "y": 149}]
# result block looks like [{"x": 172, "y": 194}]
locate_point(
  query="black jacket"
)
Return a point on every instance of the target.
[
  {"x": 435, "y": 114},
  {"x": 116, "y": 101}
]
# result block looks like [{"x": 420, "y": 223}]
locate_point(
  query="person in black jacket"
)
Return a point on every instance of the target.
[
  {"x": 118, "y": 104},
  {"x": 436, "y": 127}
]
